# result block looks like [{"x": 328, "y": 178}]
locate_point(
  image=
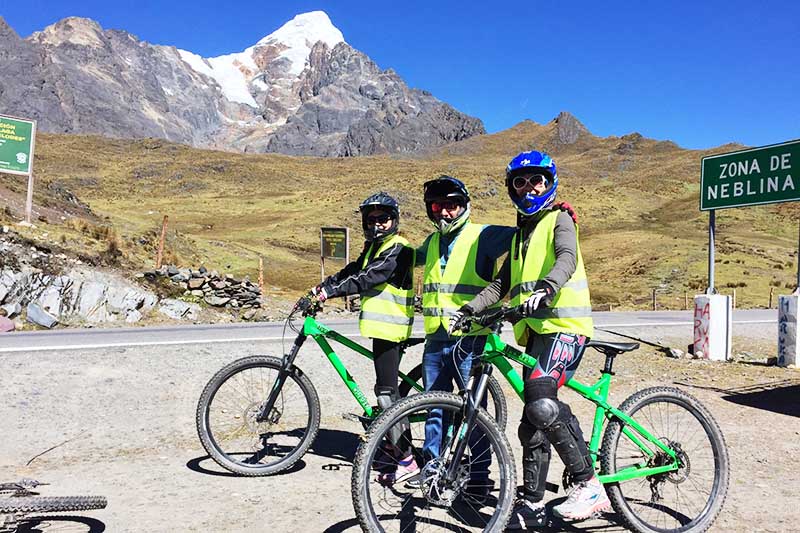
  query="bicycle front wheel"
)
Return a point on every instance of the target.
[
  {"x": 390, "y": 498},
  {"x": 227, "y": 417},
  {"x": 686, "y": 500}
]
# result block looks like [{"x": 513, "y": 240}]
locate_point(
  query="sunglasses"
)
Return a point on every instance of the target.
[
  {"x": 521, "y": 181},
  {"x": 447, "y": 205},
  {"x": 378, "y": 219}
]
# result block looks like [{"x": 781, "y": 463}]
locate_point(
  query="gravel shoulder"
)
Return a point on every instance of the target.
[{"x": 122, "y": 423}]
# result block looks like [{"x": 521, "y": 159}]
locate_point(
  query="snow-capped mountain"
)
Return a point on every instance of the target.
[{"x": 300, "y": 90}]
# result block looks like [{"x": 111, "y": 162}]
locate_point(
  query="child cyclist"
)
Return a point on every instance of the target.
[
  {"x": 544, "y": 273},
  {"x": 382, "y": 275}
]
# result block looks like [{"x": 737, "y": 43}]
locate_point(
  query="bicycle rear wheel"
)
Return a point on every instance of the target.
[
  {"x": 686, "y": 500},
  {"x": 425, "y": 500},
  {"x": 227, "y": 411},
  {"x": 496, "y": 404}
]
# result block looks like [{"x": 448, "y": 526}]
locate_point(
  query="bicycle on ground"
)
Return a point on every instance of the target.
[
  {"x": 259, "y": 415},
  {"x": 660, "y": 455},
  {"x": 21, "y": 506}
]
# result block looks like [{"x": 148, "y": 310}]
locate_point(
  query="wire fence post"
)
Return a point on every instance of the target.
[
  {"x": 771, "y": 292},
  {"x": 160, "y": 255},
  {"x": 261, "y": 274},
  {"x": 655, "y": 305}
]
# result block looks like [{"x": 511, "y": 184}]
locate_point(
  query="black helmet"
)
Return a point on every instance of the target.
[
  {"x": 386, "y": 203},
  {"x": 446, "y": 188}
]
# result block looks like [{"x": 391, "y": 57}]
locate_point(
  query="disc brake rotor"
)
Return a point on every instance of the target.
[{"x": 435, "y": 487}]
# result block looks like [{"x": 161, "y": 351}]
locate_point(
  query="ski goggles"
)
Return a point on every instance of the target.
[
  {"x": 378, "y": 219},
  {"x": 437, "y": 206},
  {"x": 520, "y": 182}
]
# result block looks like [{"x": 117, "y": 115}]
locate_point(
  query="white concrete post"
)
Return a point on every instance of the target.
[
  {"x": 787, "y": 331},
  {"x": 713, "y": 318}
]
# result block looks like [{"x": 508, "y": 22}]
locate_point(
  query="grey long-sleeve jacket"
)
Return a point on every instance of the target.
[{"x": 566, "y": 244}]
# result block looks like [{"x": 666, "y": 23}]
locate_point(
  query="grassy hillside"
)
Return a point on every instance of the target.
[{"x": 637, "y": 200}]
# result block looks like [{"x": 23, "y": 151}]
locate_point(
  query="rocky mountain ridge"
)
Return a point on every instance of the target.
[{"x": 301, "y": 90}]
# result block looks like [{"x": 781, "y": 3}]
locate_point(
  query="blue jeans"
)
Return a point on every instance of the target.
[{"x": 443, "y": 365}]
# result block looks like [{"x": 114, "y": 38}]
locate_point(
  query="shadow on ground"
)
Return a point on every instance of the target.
[
  {"x": 776, "y": 396},
  {"x": 196, "y": 465},
  {"x": 45, "y": 524},
  {"x": 331, "y": 443}
]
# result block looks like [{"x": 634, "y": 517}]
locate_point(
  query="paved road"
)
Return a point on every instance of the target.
[{"x": 88, "y": 338}]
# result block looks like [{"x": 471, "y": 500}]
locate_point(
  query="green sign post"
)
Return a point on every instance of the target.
[
  {"x": 765, "y": 175},
  {"x": 17, "y": 140},
  {"x": 16, "y": 145},
  {"x": 748, "y": 177}
]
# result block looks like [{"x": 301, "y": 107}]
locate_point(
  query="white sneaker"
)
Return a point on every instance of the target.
[
  {"x": 527, "y": 514},
  {"x": 585, "y": 499}
]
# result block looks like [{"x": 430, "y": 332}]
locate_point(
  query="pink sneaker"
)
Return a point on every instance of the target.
[{"x": 406, "y": 468}]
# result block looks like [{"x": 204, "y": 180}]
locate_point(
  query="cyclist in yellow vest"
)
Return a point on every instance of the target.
[
  {"x": 544, "y": 274},
  {"x": 460, "y": 260},
  {"x": 382, "y": 275}
]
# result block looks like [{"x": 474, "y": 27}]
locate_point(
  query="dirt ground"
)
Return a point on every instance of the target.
[{"x": 121, "y": 422}]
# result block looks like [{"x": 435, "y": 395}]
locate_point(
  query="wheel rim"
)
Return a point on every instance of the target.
[
  {"x": 236, "y": 433},
  {"x": 677, "y": 500},
  {"x": 428, "y": 502}
]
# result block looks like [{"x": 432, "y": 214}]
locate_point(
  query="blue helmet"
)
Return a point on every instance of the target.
[{"x": 536, "y": 163}]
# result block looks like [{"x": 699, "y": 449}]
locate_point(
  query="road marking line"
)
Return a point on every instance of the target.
[
  {"x": 135, "y": 344},
  {"x": 253, "y": 339}
]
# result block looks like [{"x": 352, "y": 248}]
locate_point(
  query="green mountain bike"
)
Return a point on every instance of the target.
[
  {"x": 259, "y": 415},
  {"x": 660, "y": 454}
]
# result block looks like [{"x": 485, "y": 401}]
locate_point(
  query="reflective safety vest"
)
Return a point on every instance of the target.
[
  {"x": 387, "y": 312},
  {"x": 444, "y": 292},
  {"x": 571, "y": 309}
]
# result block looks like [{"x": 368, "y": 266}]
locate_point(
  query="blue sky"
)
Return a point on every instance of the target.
[{"x": 697, "y": 73}]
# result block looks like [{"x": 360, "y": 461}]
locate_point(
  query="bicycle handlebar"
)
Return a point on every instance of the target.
[
  {"x": 309, "y": 306},
  {"x": 492, "y": 318}
]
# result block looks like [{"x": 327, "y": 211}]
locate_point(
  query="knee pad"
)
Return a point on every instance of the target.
[
  {"x": 541, "y": 406},
  {"x": 531, "y": 436}
]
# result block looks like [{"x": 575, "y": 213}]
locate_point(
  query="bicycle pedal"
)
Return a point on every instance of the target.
[{"x": 352, "y": 417}]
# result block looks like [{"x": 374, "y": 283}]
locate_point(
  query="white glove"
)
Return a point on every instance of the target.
[
  {"x": 319, "y": 293},
  {"x": 537, "y": 300},
  {"x": 457, "y": 321}
]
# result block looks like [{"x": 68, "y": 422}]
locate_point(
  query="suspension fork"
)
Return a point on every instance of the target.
[
  {"x": 472, "y": 403},
  {"x": 288, "y": 362}
]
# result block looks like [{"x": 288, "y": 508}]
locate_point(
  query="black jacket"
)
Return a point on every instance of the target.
[{"x": 394, "y": 265}]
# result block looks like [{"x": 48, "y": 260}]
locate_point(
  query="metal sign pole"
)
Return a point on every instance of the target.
[
  {"x": 321, "y": 257},
  {"x": 797, "y": 286},
  {"x": 347, "y": 305},
  {"x": 711, "y": 231}
]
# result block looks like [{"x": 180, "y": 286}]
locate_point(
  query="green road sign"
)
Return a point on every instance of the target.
[
  {"x": 16, "y": 145},
  {"x": 334, "y": 242},
  {"x": 765, "y": 175}
]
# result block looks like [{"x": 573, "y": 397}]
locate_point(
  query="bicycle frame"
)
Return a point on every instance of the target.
[
  {"x": 498, "y": 353},
  {"x": 321, "y": 333}
]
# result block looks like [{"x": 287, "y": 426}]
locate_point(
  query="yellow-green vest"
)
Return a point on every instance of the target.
[
  {"x": 571, "y": 309},
  {"x": 443, "y": 293},
  {"x": 387, "y": 312}
]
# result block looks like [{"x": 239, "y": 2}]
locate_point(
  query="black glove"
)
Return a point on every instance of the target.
[
  {"x": 542, "y": 297},
  {"x": 459, "y": 319}
]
